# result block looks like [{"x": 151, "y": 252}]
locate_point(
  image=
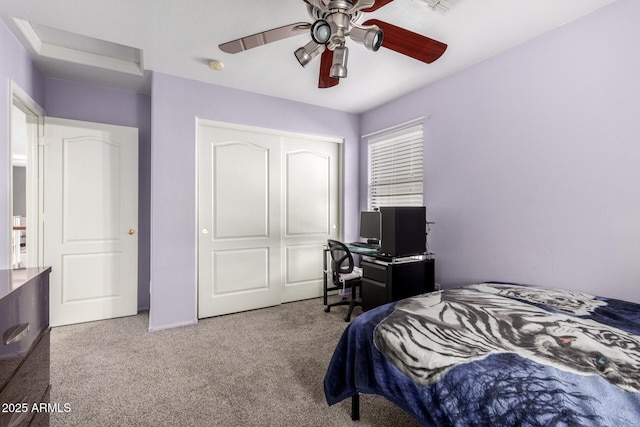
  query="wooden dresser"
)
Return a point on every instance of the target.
[{"x": 24, "y": 349}]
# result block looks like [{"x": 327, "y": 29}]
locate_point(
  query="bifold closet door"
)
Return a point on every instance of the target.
[{"x": 266, "y": 205}]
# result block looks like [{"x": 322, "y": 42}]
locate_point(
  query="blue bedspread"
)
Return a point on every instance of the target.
[{"x": 496, "y": 355}]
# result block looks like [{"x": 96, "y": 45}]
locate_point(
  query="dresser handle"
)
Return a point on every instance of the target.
[
  {"x": 15, "y": 333},
  {"x": 18, "y": 417}
]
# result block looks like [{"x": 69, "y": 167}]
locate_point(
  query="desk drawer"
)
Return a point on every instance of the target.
[
  {"x": 374, "y": 294},
  {"x": 374, "y": 271}
]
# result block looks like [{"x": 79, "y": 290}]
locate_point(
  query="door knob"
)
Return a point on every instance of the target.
[
  {"x": 205, "y": 231},
  {"x": 132, "y": 231}
]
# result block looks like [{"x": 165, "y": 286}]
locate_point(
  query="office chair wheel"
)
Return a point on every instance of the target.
[
  {"x": 347, "y": 318},
  {"x": 327, "y": 309}
]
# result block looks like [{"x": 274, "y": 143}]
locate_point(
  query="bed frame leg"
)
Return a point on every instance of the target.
[{"x": 355, "y": 407}]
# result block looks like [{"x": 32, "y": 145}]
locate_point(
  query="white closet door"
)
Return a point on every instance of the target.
[
  {"x": 311, "y": 213},
  {"x": 268, "y": 202},
  {"x": 91, "y": 220},
  {"x": 239, "y": 220}
]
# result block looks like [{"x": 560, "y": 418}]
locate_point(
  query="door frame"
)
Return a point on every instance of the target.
[
  {"x": 20, "y": 99},
  {"x": 250, "y": 128}
]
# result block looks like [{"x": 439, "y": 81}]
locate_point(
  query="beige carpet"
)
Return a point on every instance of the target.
[{"x": 259, "y": 368}]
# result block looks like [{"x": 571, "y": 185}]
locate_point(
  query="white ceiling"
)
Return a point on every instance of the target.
[{"x": 180, "y": 37}]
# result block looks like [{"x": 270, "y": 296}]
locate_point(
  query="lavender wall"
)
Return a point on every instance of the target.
[
  {"x": 176, "y": 103},
  {"x": 532, "y": 160},
  {"x": 15, "y": 65},
  {"x": 80, "y": 101}
]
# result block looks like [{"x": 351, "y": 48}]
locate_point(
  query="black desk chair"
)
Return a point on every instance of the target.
[{"x": 343, "y": 277}]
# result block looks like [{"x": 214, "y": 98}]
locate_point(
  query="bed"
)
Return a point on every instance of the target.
[{"x": 495, "y": 354}]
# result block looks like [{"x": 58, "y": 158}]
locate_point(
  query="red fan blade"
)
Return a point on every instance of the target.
[
  {"x": 409, "y": 43},
  {"x": 377, "y": 5},
  {"x": 326, "y": 61}
]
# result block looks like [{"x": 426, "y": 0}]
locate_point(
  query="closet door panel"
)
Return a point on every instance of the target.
[{"x": 239, "y": 220}]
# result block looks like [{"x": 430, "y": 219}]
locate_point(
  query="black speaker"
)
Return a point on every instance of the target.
[{"x": 403, "y": 230}]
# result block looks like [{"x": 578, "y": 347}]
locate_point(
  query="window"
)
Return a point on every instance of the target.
[{"x": 396, "y": 167}]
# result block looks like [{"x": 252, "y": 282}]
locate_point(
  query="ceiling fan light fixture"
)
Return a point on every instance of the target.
[
  {"x": 339, "y": 68},
  {"x": 305, "y": 54},
  {"x": 321, "y": 31},
  {"x": 370, "y": 37}
]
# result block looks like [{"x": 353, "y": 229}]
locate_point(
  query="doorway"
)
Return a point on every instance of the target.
[
  {"x": 91, "y": 199},
  {"x": 26, "y": 124}
]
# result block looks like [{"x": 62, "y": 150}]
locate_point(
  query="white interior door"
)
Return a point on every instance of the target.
[
  {"x": 90, "y": 220},
  {"x": 267, "y": 204},
  {"x": 239, "y": 220},
  {"x": 311, "y": 213}
]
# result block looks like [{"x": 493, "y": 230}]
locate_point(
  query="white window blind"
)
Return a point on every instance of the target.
[{"x": 396, "y": 168}]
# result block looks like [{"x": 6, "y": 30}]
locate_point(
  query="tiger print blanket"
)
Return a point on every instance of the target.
[{"x": 497, "y": 354}]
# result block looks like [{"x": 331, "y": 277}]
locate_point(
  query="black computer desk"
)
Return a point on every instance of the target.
[{"x": 386, "y": 278}]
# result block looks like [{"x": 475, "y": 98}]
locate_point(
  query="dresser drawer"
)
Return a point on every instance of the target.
[
  {"x": 374, "y": 271},
  {"x": 24, "y": 314},
  {"x": 28, "y": 385}
]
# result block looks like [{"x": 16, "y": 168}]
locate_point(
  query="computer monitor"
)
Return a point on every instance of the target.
[{"x": 370, "y": 226}]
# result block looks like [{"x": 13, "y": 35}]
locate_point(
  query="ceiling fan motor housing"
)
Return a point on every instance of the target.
[{"x": 340, "y": 4}]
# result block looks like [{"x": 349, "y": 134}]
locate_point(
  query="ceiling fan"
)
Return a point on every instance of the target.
[{"x": 334, "y": 21}]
